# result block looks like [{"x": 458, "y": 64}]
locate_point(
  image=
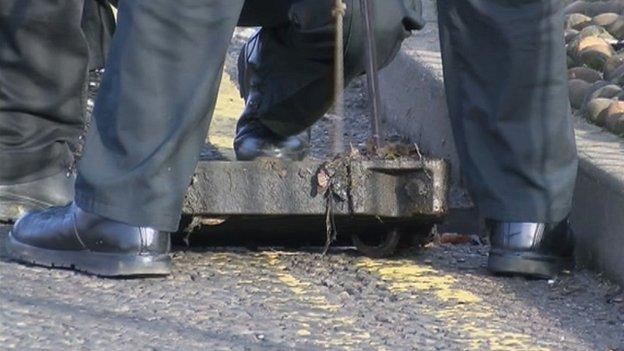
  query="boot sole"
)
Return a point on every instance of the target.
[
  {"x": 96, "y": 263},
  {"x": 527, "y": 265}
]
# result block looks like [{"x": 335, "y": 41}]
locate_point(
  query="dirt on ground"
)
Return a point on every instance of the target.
[{"x": 436, "y": 298}]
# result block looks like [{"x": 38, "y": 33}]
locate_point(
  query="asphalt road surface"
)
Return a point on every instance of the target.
[{"x": 436, "y": 298}]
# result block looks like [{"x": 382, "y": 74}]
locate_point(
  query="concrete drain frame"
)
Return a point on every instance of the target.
[{"x": 385, "y": 203}]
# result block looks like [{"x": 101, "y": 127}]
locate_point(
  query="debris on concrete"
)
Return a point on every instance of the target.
[{"x": 454, "y": 239}]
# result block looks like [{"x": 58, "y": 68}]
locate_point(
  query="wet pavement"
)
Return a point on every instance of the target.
[{"x": 436, "y": 298}]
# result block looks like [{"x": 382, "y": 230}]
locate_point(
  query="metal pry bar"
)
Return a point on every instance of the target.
[
  {"x": 339, "y": 10},
  {"x": 368, "y": 16}
]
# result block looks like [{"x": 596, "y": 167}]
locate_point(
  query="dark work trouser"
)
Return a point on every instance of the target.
[
  {"x": 46, "y": 48},
  {"x": 98, "y": 25},
  {"x": 156, "y": 100},
  {"x": 506, "y": 84},
  {"x": 286, "y": 70}
]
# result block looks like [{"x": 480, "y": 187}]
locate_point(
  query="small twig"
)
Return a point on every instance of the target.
[
  {"x": 330, "y": 221},
  {"x": 420, "y": 156}
]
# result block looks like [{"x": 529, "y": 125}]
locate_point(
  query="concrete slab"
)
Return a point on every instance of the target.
[{"x": 401, "y": 188}]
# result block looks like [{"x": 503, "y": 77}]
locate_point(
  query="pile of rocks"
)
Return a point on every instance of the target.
[{"x": 595, "y": 45}]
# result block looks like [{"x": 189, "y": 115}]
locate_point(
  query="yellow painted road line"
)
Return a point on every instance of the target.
[
  {"x": 227, "y": 111},
  {"x": 458, "y": 308},
  {"x": 304, "y": 290},
  {"x": 345, "y": 335},
  {"x": 316, "y": 312},
  {"x": 296, "y": 304}
]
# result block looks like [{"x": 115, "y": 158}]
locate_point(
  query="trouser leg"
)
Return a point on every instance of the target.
[
  {"x": 285, "y": 70},
  {"x": 504, "y": 67},
  {"x": 43, "y": 65},
  {"x": 98, "y": 25},
  {"x": 153, "y": 110}
]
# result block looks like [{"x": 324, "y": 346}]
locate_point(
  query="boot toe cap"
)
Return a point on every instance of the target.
[
  {"x": 26, "y": 227},
  {"x": 250, "y": 148}
]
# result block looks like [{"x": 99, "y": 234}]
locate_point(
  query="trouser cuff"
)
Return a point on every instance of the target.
[
  {"x": 544, "y": 214},
  {"x": 131, "y": 215}
]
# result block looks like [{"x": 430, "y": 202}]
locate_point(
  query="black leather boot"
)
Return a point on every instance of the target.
[
  {"x": 17, "y": 199},
  {"x": 539, "y": 250},
  {"x": 254, "y": 140},
  {"x": 67, "y": 237}
]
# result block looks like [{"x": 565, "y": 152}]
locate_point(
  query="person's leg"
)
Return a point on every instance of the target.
[
  {"x": 43, "y": 65},
  {"x": 154, "y": 107},
  {"x": 285, "y": 70},
  {"x": 98, "y": 26},
  {"x": 505, "y": 74},
  {"x": 265, "y": 13},
  {"x": 150, "y": 122}
]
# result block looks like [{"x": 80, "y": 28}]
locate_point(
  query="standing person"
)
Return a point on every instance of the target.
[
  {"x": 46, "y": 49},
  {"x": 505, "y": 77},
  {"x": 507, "y": 91}
]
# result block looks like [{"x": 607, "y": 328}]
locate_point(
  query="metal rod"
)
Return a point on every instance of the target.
[
  {"x": 368, "y": 16},
  {"x": 338, "y": 12}
]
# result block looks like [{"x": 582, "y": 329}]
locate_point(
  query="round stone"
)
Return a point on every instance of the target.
[
  {"x": 592, "y": 52},
  {"x": 597, "y": 31},
  {"x": 594, "y": 87},
  {"x": 570, "y": 34},
  {"x": 596, "y": 110},
  {"x": 605, "y": 19},
  {"x": 615, "y": 123},
  {"x": 617, "y": 28},
  {"x": 578, "y": 91},
  {"x": 578, "y": 21},
  {"x": 616, "y": 108},
  {"x": 584, "y": 73},
  {"x": 594, "y": 57},
  {"x": 614, "y": 119},
  {"x": 617, "y": 77},
  {"x": 608, "y": 91},
  {"x": 611, "y": 66},
  {"x": 583, "y": 43}
]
